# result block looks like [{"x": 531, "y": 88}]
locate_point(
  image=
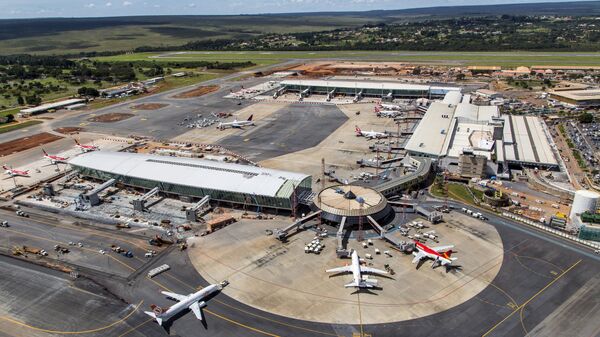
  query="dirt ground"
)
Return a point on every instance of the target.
[
  {"x": 148, "y": 106},
  {"x": 111, "y": 117},
  {"x": 198, "y": 92},
  {"x": 25, "y": 143},
  {"x": 69, "y": 130}
]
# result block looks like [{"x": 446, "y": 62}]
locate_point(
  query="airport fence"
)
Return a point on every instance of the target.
[{"x": 594, "y": 245}]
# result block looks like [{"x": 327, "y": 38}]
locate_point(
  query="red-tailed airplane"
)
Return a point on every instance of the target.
[
  {"x": 54, "y": 159},
  {"x": 370, "y": 134},
  {"x": 86, "y": 148},
  {"x": 439, "y": 255},
  {"x": 13, "y": 173}
]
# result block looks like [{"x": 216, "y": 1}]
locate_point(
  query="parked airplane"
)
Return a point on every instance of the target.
[
  {"x": 86, "y": 148},
  {"x": 236, "y": 123},
  {"x": 370, "y": 134},
  {"x": 54, "y": 159},
  {"x": 389, "y": 106},
  {"x": 14, "y": 173},
  {"x": 439, "y": 255},
  {"x": 192, "y": 301},
  {"x": 385, "y": 113},
  {"x": 356, "y": 269}
]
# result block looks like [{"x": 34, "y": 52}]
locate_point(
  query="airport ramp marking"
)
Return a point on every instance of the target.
[
  {"x": 532, "y": 298},
  {"x": 25, "y": 325}
]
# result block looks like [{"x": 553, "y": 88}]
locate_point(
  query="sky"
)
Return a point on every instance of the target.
[{"x": 100, "y": 8}]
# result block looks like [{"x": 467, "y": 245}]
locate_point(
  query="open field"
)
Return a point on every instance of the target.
[
  {"x": 505, "y": 59},
  {"x": 17, "y": 126},
  {"x": 26, "y": 143}
]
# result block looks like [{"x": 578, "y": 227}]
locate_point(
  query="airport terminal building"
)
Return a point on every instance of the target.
[
  {"x": 389, "y": 90},
  {"x": 453, "y": 127},
  {"x": 196, "y": 178}
]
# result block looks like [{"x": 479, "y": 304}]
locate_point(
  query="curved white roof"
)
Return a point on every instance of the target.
[{"x": 193, "y": 172}]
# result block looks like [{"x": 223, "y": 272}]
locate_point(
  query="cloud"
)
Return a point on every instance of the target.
[
  {"x": 90, "y": 5},
  {"x": 127, "y": 3},
  {"x": 108, "y": 4},
  {"x": 192, "y": 5}
]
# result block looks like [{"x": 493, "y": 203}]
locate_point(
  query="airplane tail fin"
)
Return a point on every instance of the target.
[
  {"x": 357, "y": 129},
  {"x": 448, "y": 253},
  {"x": 155, "y": 313},
  {"x": 250, "y": 118},
  {"x": 5, "y": 167}
]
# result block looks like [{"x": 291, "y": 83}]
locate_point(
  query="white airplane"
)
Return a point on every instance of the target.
[
  {"x": 86, "y": 148},
  {"x": 54, "y": 159},
  {"x": 386, "y": 113},
  {"x": 236, "y": 123},
  {"x": 439, "y": 255},
  {"x": 14, "y": 173},
  {"x": 389, "y": 106},
  {"x": 356, "y": 269},
  {"x": 370, "y": 134},
  {"x": 192, "y": 302}
]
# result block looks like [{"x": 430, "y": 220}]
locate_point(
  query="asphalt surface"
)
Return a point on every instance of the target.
[
  {"x": 539, "y": 272},
  {"x": 40, "y": 300},
  {"x": 163, "y": 123},
  {"x": 290, "y": 129}
]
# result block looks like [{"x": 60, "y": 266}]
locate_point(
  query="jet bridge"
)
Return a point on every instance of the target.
[
  {"x": 341, "y": 250},
  {"x": 92, "y": 197},
  {"x": 191, "y": 214},
  {"x": 282, "y": 234},
  {"x": 358, "y": 96},
  {"x": 139, "y": 204},
  {"x": 330, "y": 94},
  {"x": 305, "y": 93}
]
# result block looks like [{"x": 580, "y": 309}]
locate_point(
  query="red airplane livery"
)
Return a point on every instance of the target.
[
  {"x": 54, "y": 159},
  {"x": 86, "y": 148},
  {"x": 13, "y": 173},
  {"x": 439, "y": 255}
]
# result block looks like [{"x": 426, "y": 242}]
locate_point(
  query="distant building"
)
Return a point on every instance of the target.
[
  {"x": 386, "y": 90},
  {"x": 50, "y": 106},
  {"x": 486, "y": 93},
  {"x": 581, "y": 98},
  {"x": 471, "y": 165}
]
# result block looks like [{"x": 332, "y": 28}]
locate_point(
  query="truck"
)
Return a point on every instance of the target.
[{"x": 4, "y": 224}]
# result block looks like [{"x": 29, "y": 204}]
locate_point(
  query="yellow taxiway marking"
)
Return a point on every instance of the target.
[
  {"x": 66, "y": 245},
  {"x": 73, "y": 332},
  {"x": 136, "y": 327},
  {"x": 531, "y": 298},
  {"x": 221, "y": 316}
]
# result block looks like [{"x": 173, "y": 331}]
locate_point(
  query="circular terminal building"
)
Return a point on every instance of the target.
[{"x": 352, "y": 202}]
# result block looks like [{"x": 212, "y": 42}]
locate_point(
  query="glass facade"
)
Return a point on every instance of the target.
[
  {"x": 589, "y": 233},
  {"x": 281, "y": 201}
]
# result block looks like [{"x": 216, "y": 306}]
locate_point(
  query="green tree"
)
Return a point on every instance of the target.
[{"x": 586, "y": 117}]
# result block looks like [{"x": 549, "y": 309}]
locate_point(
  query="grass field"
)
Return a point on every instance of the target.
[
  {"x": 16, "y": 126},
  {"x": 505, "y": 59}
]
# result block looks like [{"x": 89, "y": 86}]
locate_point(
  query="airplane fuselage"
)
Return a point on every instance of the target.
[{"x": 191, "y": 299}]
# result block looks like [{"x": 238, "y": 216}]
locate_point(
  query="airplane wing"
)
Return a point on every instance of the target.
[
  {"x": 418, "y": 256},
  {"x": 339, "y": 270},
  {"x": 372, "y": 271},
  {"x": 442, "y": 248},
  {"x": 174, "y": 296},
  {"x": 196, "y": 309}
]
